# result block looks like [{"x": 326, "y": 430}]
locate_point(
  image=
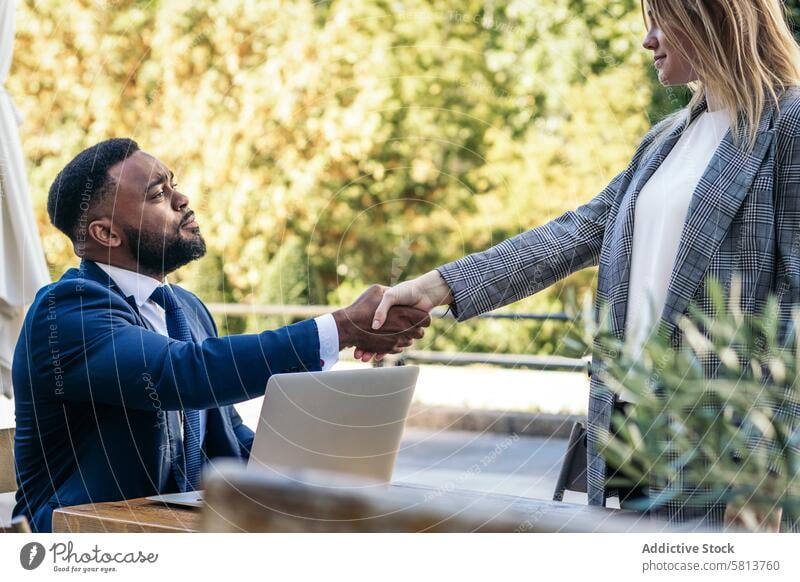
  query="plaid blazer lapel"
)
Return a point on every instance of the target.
[
  {"x": 622, "y": 245},
  {"x": 716, "y": 201}
]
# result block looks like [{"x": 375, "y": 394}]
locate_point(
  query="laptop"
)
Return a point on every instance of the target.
[{"x": 347, "y": 421}]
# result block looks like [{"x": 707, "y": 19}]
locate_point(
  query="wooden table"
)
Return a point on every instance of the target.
[
  {"x": 130, "y": 516},
  {"x": 144, "y": 516}
]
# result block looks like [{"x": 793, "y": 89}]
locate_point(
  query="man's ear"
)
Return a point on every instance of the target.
[{"x": 105, "y": 233}]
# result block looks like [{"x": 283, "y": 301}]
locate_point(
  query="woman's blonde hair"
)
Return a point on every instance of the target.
[{"x": 742, "y": 50}]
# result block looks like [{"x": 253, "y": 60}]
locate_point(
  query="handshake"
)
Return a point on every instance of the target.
[{"x": 385, "y": 320}]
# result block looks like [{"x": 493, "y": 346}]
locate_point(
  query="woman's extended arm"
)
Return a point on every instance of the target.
[
  {"x": 519, "y": 266},
  {"x": 515, "y": 268}
]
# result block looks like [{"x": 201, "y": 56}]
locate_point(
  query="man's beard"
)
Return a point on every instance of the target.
[{"x": 163, "y": 253}]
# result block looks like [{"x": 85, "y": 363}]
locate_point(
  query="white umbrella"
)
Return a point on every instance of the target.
[{"x": 22, "y": 266}]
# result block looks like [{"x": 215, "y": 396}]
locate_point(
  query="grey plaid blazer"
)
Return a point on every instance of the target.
[{"x": 744, "y": 216}]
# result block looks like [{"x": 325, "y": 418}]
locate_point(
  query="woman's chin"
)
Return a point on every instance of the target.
[{"x": 665, "y": 80}]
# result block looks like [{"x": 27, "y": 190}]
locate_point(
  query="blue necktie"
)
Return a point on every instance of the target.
[{"x": 178, "y": 328}]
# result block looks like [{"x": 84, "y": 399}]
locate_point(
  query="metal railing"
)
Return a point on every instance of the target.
[
  {"x": 515, "y": 361},
  {"x": 524, "y": 361},
  {"x": 244, "y": 309}
]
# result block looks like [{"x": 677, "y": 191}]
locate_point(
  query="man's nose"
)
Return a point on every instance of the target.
[{"x": 179, "y": 201}]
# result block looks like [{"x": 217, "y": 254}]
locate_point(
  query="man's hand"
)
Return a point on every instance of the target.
[
  {"x": 753, "y": 517},
  {"x": 423, "y": 293},
  {"x": 401, "y": 327}
]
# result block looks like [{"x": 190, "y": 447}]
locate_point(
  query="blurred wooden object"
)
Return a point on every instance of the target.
[
  {"x": 8, "y": 480},
  {"x": 18, "y": 524},
  {"x": 130, "y": 516},
  {"x": 241, "y": 501}
]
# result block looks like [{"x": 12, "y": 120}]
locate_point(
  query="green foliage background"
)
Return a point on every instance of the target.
[{"x": 327, "y": 146}]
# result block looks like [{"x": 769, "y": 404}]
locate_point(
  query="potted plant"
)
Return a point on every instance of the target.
[{"x": 698, "y": 439}]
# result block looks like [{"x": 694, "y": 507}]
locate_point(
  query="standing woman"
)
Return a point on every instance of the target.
[{"x": 712, "y": 190}]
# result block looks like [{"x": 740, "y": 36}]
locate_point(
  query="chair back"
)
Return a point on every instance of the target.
[
  {"x": 18, "y": 524},
  {"x": 572, "y": 476}
]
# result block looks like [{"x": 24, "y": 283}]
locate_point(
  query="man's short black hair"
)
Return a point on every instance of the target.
[{"x": 83, "y": 182}]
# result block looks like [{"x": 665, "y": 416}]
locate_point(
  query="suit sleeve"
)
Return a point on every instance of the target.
[
  {"x": 244, "y": 435},
  {"x": 83, "y": 344}
]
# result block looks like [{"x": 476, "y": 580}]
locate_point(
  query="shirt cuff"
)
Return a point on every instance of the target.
[{"x": 328, "y": 340}]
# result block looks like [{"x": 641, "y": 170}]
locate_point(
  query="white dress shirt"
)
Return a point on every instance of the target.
[
  {"x": 661, "y": 210},
  {"x": 141, "y": 287}
]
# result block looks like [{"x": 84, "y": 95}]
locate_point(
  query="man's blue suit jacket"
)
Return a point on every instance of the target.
[{"x": 94, "y": 384}]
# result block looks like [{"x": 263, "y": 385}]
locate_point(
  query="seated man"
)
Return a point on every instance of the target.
[{"x": 122, "y": 387}]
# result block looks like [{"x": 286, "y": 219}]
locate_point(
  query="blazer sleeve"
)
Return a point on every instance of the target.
[
  {"x": 787, "y": 216},
  {"x": 81, "y": 342},
  {"x": 244, "y": 435},
  {"x": 534, "y": 260}
]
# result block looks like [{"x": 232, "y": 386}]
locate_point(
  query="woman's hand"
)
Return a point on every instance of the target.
[{"x": 423, "y": 293}]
